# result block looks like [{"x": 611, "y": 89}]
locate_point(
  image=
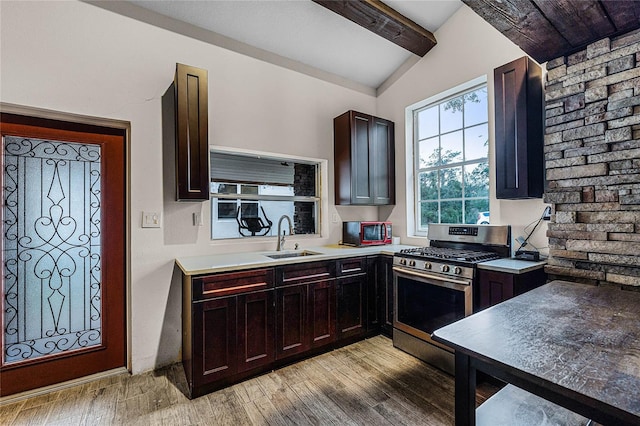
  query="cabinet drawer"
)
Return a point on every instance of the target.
[
  {"x": 211, "y": 286},
  {"x": 352, "y": 266},
  {"x": 306, "y": 272}
]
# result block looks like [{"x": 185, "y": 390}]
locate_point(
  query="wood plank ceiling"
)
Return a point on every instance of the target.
[{"x": 548, "y": 29}]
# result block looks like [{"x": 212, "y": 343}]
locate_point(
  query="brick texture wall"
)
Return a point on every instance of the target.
[{"x": 592, "y": 156}]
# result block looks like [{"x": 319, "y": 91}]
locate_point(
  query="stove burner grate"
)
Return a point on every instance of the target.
[{"x": 451, "y": 254}]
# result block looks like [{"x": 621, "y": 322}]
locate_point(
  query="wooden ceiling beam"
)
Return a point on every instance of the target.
[{"x": 385, "y": 22}]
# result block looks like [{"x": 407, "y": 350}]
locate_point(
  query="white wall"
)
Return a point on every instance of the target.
[
  {"x": 77, "y": 58},
  {"x": 467, "y": 48}
]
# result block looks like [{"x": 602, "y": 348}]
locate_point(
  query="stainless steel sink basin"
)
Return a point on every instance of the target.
[{"x": 287, "y": 254}]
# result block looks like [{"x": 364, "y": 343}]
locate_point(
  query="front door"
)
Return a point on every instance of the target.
[{"x": 63, "y": 251}]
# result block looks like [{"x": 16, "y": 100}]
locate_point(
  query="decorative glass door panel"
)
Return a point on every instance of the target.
[{"x": 52, "y": 259}]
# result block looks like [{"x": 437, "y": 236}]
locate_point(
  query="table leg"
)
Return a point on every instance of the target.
[{"x": 465, "y": 380}]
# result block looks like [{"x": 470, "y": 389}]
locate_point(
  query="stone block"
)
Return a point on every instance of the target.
[
  {"x": 553, "y": 94},
  {"x": 622, "y": 122},
  {"x": 610, "y": 227},
  {"x": 621, "y": 64},
  {"x": 614, "y": 78},
  {"x": 618, "y": 135},
  {"x": 577, "y": 58},
  {"x": 555, "y": 155},
  {"x": 574, "y": 102},
  {"x": 633, "y": 84},
  {"x": 624, "y": 102},
  {"x": 567, "y": 254},
  {"x": 609, "y": 115},
  {"x": 596, "y": 93},
  {"x": 565, "y": 126},
  {"x": 552, "y": 112},
  {"x": 630, "y": 199},
  {"x": 572, "y": 197},
  {"x": 554, "y": 63},
  {"x": 625, "y": 39},
  {"x": 552, "y": 138},
  {"x": 574, "y": 272},
  {"x": 621, "y": 165},
  {"x": 606, "y": 196},
  {"x": 566, "y": 217},
  {"x": 632, "y": 280},
  {"x": 566, "y": 162},
  {"x": 618, "y": 155},
  {"x": 586, "y": 150},
  {"x": 563, "y": 146},
  {"x": 620, "y": 94},
  {"x": 613, "y": 259},
  {"x": 583, "y": 132},
  {"x": 598, "y": 48},
  {"x": 623, "y": 236},
  {"x": 617, "y": 217},
  {"x": 594, "y": 73},
  {"x": 588, "y": 194},
  {"x": 555, "y": 73}
]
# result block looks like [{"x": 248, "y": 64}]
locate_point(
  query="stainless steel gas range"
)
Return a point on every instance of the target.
[{"x": 434, "y": 285}]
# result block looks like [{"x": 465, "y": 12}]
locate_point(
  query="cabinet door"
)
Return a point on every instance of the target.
[
  {"x": 382, "y": 162},
  {"x": 291, "y": 326},
  {"x": 380, "y": 304},
  {"x": 361, "y": 188},
  {"x": 351, "y": 295},
  {"x": 519, "y": 130},
  {"x": 192, "y": 133},
  {"x": 255, "y": 330},
  {"x": 322, "y": 313},
  {"x": 494, "y": 287},
  {"x": 214, "y": 340}
]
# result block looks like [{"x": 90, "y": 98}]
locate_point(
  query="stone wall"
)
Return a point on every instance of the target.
[{"x": 592, "y": 153}]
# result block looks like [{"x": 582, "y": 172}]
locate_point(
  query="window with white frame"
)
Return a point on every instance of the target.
[
  {"x": 249, "y": 193},
  {"x": 450, "y": 139}
]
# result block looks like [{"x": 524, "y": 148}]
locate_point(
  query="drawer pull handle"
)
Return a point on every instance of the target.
[{"x": 237, "y": 288}]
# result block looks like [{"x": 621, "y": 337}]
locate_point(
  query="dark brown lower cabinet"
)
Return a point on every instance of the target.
[
  {"x": 291, "y": 316},
  {"x": 495, "y": 286},
  {"x": 322, "y": 313},
  {"x": 351, "y": 295},
  {"x": 214, "y": 343},
  {"x": 380, "y": 294},
  {"x": 255, "y": 328}
]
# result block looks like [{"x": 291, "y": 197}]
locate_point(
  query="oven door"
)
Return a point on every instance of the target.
[{"x": 424, "y": 302}]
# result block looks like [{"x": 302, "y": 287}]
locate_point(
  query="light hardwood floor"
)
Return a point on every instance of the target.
[{"x": 367, "y": 383}]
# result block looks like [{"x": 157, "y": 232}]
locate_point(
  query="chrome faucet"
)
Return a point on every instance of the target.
[{"x": 281, "y": 238}]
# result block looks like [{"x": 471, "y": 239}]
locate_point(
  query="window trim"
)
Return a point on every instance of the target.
[
  {"x": 320, "y": 200},
  {"x": 410, "y": 137}
]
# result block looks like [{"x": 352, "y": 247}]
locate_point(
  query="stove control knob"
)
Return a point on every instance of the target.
[
  {"x": 444, "y": 268},
  {"x": 412, "y": 263},
  {"x": 457, "y": 270},
  {"x": 403, "y": 261},
  {"x": 427, "y": 265}
]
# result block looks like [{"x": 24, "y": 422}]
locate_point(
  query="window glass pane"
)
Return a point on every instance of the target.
[
  {"x": 475, "y": 107},
  {"x": 227, "y": 209},
  {"x": 249, "y": 209},
  {"x": 428, "y": 214},
  {"x": 428, "y": 122},
  {"x": 428, "y": 186},
  {"x": 249, "y": 189},
  {"x": 451, "y": 212},
  {"x": 224, "y": 188},
  {"x": 429, "y": 152},
  {"x": 476, "y": 180},
  {"x": 477, "y": 211},
  {"x": 276, "y": 190},
  {"x": 476, "y": 142},
  {"x": 451, "y": 183},
  {"x": 451, "y": 115},
  {"x": 451, "y": 144}
]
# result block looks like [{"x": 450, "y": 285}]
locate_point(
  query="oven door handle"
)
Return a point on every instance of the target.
[{"x": 433, "y": 277}]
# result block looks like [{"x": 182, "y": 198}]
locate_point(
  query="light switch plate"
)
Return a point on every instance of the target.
[{"x": 150, "y": 220}]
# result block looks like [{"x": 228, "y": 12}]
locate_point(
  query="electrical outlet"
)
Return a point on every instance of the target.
[
  {"x": 197, "y": 219},
  {"x": 150, "y": 220},
  {"x": 546, "y": 215}
]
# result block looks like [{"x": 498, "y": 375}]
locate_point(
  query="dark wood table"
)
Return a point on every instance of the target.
[{"x": 575, "y": 345}]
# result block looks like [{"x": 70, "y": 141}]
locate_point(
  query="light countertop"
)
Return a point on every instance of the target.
[
  {"x": 212, "y": 263},
  {"x": 512, "y": 266}
]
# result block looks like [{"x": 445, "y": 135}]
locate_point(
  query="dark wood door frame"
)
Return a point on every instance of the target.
[{"x": 65, "y": 122}]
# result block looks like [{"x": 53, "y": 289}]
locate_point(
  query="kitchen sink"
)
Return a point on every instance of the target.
[{"x": 284, "y": 255}]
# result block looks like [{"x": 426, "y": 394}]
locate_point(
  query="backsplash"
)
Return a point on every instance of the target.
[{"x": 592, "y": 156}]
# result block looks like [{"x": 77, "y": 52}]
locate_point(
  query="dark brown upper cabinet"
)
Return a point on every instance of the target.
[
  {"x": 191, "y": 133},
  {"x": 519, "y": 130},
  {"x": 364, "y": 159}
]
